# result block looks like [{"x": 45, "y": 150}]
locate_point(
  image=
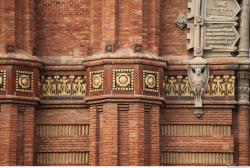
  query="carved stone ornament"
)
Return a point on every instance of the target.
[
  {"x": 181, "y": 22},
  {"x": 243, "y": 87},
  {"x": 213, "y": 27},
  {"x": 198, "y": 73}
]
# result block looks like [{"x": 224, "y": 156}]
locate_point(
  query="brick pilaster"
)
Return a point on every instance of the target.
[
  {"x": 155, "y": 136},
  {"x": 29, "y": 134},
  {"x": 94, "y": 135},
  {"x": 243, "y": 135},
  {"x": 8, "y": 134},
  {"x": 109, "y": 135},
  {"x": 136, "y": 135}
]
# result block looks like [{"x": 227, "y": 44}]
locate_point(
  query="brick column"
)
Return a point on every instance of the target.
[
  {"x": 243, "y": 134},
  {"x": 155, "y": 136},
  {"x": 8, "y": 135},
  {"x": 29, "y": 134},
  {"x": 104, "y": 135},
  {"x": 94, "y": 136},
  {"x": 109, "y": 135},
  {"x": 136, "y": 135},
  {"x": 243, "y": 117}
]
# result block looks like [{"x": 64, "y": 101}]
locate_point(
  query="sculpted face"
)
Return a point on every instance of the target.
[{"x": 198, "y": 70}]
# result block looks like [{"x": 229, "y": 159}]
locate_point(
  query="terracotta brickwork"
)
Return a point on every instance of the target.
[
  {"x": 60, "y": 23},
  {"x": 62, "y": 132},
  {"x": 109, "y": 82}
]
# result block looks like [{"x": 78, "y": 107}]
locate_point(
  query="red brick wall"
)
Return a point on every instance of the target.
[
  {"x": 8, "y": 134},
  {"x": 172, "y": 39},
  {"x": 16, "y": 135},
  {"x": 62, "y": 132},
  {"x": 62, "y": 27},
  {"x": 185, "y": 133}
]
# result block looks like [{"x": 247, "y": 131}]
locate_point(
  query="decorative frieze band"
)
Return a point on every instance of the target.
[
  {"x": 63, "y": 85},
  {"x": 187, "y": 158},
  {"x": 3, "y": 76},
  {"x": 62, "y": 158},
  {"x": 217, "y": 86}
]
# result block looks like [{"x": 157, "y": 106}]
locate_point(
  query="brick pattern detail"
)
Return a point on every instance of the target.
[
  {"x": 62, "y": 133},
  {"x": 243, "y": 135},
  {"x": 123, "y": 134},
  {"x": 182, "y": 135},
  {"x": 8, "y": 132},
  {"x": 63, "y": 22}
]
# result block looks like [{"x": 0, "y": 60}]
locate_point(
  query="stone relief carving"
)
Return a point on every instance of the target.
[
  {"x": 63, "y": 85},
  {"x": 218, "y": 86},
  {"x": 212, "y": 25},
  {"x": 244, "y": 29},
  {"x": 181, "y": 22},
  {"x": 198, "y": 73},
  {"x": 243, "y": 87}
]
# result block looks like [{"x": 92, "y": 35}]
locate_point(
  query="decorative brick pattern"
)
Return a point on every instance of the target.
[
  {"x": 123, "y": 79},
  {"x": 24, "y": 81},
  {"x": 48, "y": 130},
  {"x": 63, "y": 27},
  {"x": 63, "y": 85},
  {"x": 96, "y": 81},
  {"x": 218, "y": 85},
  {"x": 3, "y": 76},
  {"x": 150, "y": 81},
  {"x": 187, "y": 158},
  {"x": 63, "y": 158}
]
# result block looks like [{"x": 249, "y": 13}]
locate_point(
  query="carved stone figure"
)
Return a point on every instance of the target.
[
  {"x": 181, "y": 22},
  {"x": 198, "y": 73}
]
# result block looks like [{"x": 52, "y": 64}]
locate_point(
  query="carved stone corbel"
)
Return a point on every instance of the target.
[
  {"x": 243, "y": 87},
  {"x": 198, "y": 73}
]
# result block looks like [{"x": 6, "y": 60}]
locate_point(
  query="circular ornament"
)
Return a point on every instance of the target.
[
  {"x": 150, "y": 81},
  {"x": 123, "y": 80},
  {"x": 97, "y": 81},
  {"x": 24, "y": 81}
]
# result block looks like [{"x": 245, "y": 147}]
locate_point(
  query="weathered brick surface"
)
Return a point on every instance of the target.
[
  {"x": 243, "y": 136},
  {"x": 172, "y": 39},
  {"x": 65, "y": 25},
  {"x": 119, "y": 134},
  {"x": 8, "y": 134}
]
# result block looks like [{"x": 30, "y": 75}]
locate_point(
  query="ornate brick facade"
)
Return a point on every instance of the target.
[{"x": 111, "y": 82}]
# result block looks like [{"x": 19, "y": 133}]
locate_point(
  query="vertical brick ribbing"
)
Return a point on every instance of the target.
[
  {"x": 155, "y": 136},
  {"x": 20, "y": 134},
  {"x": 29, "y": 134},
  {"x": 243, "y": 134},
  {"x": 152, "y": 143},
  {"x": 147, "y": 134},
  {"x": 109, "y": 22},
  {"x": 8, "y": 133},
  {"x": 109, "y": 137},
  {"x": 123, "y": 134},
  {"x": 136, "y": 21},
  {"x": 94, "y": 134},
  {"x": 136, "y": 135},
  {"x": 9, "y": 22},
  {"x": 235, "y": 134},
  {"x": 2, "y": 44}
]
